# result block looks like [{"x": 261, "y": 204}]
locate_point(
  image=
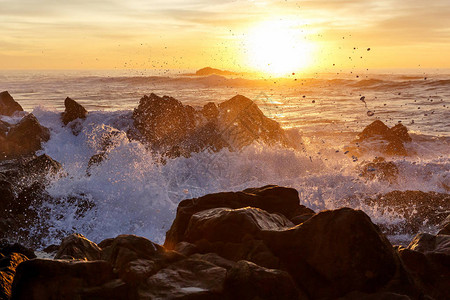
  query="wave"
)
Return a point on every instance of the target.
[{"x": 133, "y": 192}]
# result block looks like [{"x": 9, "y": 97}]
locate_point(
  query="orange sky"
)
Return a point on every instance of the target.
[{"x": 139, "y": 34}]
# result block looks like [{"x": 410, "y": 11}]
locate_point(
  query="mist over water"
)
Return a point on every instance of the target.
[{"x": 133, "y": 192}]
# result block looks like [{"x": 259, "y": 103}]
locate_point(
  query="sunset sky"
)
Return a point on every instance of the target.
[{"x": 159, "y": 34}]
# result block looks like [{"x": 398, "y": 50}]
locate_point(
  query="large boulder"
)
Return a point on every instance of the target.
[
  {"x": 7, "y": 104},
  {"x": 176, "y": 129},
  {"x": 232, "y": 225},
  {"x": 73, "y": 111},
  {"x": 76, "y": 246},
  {"x": 273, "y": 199},
  {"x": 60, "y": 279},
  {"x": 430, "y": 270},
  {"x": 379, "y": 137},
  {"x": 334, "y": 253}
]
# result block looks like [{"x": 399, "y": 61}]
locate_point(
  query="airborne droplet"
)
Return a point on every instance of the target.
[{"x": 370, "y": 113}]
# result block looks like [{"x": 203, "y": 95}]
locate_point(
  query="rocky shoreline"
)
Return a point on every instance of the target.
[
  {"x": 238, "y": 245},
  {"x": 259, "y": 243}
]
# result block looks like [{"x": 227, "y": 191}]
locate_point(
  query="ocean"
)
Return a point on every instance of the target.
[{"x": 135, "y": 193}]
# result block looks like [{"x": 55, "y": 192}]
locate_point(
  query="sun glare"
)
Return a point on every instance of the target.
[{"x": 278, "y": 48}]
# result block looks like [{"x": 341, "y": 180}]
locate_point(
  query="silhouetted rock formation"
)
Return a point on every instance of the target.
[
  {"x": 378, "y": 137},
  {"x": 210, "y": 71},
  {"x": 177, "y": 129},
  {"x": 7, "y": 104},
  {"x": 24, "y": 138},
  {"x": 73, "y": 111}
]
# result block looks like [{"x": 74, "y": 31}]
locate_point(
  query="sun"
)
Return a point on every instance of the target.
[{"x": 278, "y": 48}]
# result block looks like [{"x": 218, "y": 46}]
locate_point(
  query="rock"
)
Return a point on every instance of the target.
[
  {"x": 375, "y": 296},
  {"x": 377, "y": 136},
  {"x": 4, "y": 127},
  {"x": 232, "y": 225},
  {"x": 241, "y": 122},
  {"x": 78, "y": 247},
  {"x": 380, "y": 169},
  {"x": 401, "y": 132},
  {"x": 186, "y": 248},
  {"x": 7, "y": 249},
  {"x": 59, "y": 279},
  {"x": 334, "y": 253},
  {"x": 163, "y": 121},
  {"x": 73, "y": 111},
  {"x": 126, "y": 248},
  {"x": 445, "y": 226},
  {"x": 26, "y": 137},
  {"x": 176, "y": 129},
  {"x": 186, "y": 279},
  {"x": 425, "y": 242},
  {"x": 8, "y": 265},
  {"x": 7, "y": 104},
  {"x": 210, "y": 71},
  {"x": 249, "y": 281},
  {"x": 273, "y": 199},
  {"x": 215, "y": 259},
  {"x": 43, "y": 164},
  {"x": 419, "y": 210},
  {"x": 430, "y": 271}
]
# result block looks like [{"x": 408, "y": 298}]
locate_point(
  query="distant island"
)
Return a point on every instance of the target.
[{"x": 211, "y": 71}]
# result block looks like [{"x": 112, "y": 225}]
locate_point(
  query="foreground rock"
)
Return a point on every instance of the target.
[
  {"x": 244, "y": 246},
  {"x": 380, "y": 138},
  {"x": 7, "y": 104},
  {"x": 273, "y": 199},
  {"x": 177, "y": 129}
]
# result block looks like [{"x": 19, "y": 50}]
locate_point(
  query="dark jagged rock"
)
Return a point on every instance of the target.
[
  {"x": 7, "y": 249},
  {"x": 380, "y": 169},
  {"x": 379, "y": 137},
  {"x": 418, "y": 209},
  {"x": 186, "y": 279},
  {"x": 76, "y": 246},
  {"x": 24, "y": 138},
  {"x": 273, "y": 199},
  {"x": 401, "y": 132},
  {"x": 430, "y": 271},
  {"x": 126, "y": 248},
  {"x": 232, "y": 225},
  {"x": 8, "y": 266},
  {"x": 177, "y": 129},
  {"x": 59, "y": 279},
  {"x": 7, "y": 104},
  {"x": 249, "y": 281},
  {"x": 43, "y": 164},
  {"x": 334, "y": 253},
  {"x": 73, "y": 111}
]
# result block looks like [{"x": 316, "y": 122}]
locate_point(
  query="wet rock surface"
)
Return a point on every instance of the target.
[
  {"x": 379, "y": 137},
  {"x": 73, "y": 110},
  {"x": 7, "y": 104},
  {"x": 24, "y": 138},
  {"x": 177, "y": 129}
]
